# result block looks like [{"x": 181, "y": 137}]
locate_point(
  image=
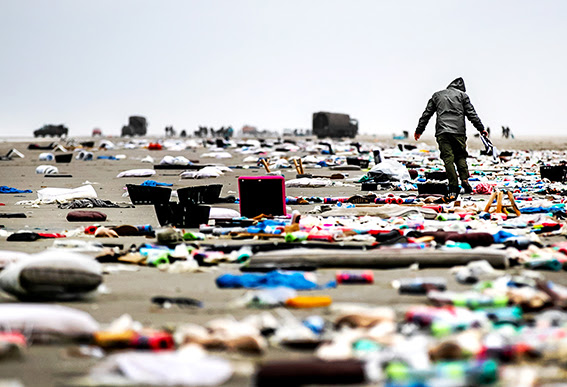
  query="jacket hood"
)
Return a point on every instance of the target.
[{"x": 459, "y": 84}]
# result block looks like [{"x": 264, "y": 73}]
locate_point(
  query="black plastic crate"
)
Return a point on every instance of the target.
[
  {"x": 432, "y": 189},
  {"x": 180, "y": 215},
  {"x": 207, "y": 194},
  {"x": 145, "y": 194},
  {"x": 63, "y": 158},
  {"x": 553, "y": 172}
]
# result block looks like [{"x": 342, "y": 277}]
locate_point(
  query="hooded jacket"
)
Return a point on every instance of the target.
[{"x": 452, "y": 105}]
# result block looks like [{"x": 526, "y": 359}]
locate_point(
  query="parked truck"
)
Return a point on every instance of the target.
[
  {"x": 334, "y": 125},
  {"x": 51, "y": 131},
  {"x": 137, "y": 126}
]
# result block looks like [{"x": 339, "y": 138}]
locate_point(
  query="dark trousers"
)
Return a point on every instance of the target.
[{"x": 453, "y": 150}]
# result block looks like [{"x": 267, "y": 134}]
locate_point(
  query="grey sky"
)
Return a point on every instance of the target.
[{"x": 273, "y": 63}]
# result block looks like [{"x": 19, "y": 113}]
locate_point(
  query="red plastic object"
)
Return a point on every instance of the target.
[
  {"x": 90, "y": 230},
  {"x": 346, "y": 277},
  {"x": 154, "y": 146},
  {"x": 158, "y": 341}
]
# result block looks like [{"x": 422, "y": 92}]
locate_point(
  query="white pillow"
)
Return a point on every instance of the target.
[
  {"x": 40, "y": 319},
  {"x": 52, "y": 275},
  {"x": 223, "y": 213},
  {"x": 190, "y": 366},
  {"x": 137, "y": 173},
  {"x": 62, "y": 194}
]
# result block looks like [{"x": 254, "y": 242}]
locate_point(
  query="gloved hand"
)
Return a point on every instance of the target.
[
  {"x": 417, "y": 136},
  {"x": 484, "y": 133}
]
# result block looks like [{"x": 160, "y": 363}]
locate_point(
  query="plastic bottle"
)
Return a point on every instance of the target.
[
  {"x": 406, "y": 246},
  {"x": 113, "y": 340},
  {"x": 296, "y": 236},
  {"x": 419, "y": 285},
  {"x": 452, "y": 373},
  {"x": 511, "y": 314},
  {"x": 543, "y": 264},
  {"x": 309, "y": 301},
  {"x": 448, "y": 217},
  {"x": 321, "y": 237},
  {"x": 194, "y": 236},
  {"x": 469, "y": 300},
  {"x": 349, "y": 277},
  {"x": 444, "y": 328},
  {"x": 155, "y": 341},
  {"x": 155, "y": 257},
  {"x": 447, "y": 318}
]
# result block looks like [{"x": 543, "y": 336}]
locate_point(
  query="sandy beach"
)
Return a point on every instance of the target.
[{"x": 130, "y": 292}]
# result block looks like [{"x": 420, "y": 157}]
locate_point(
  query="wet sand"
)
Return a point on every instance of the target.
[{"x": 130, "y": 292}]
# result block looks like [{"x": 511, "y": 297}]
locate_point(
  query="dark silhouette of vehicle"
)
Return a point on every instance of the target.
[
  {"x": 51, "y": 131},
  {"x": 334, "y": 125},
  {"x": 137, "y": 126}
]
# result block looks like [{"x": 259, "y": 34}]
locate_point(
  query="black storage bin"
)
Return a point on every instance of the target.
[
  {"x": 164, "y": 213},
  {"x": 200, "y": 194},
  {"x": 145, "y": 194},
  {"x": 436, "y": 175},
  {"x": 432, "y": 188},
  {"x": 553, "y": 172},
  {"x": 192, "y": 216},
  {"x": 181, "y": 215},
  {"x": 362, "y": 163},
  {"x": 63, "y": 158}
]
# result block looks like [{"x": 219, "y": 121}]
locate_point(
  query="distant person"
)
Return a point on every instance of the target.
[{"x": 452, "y": 105}]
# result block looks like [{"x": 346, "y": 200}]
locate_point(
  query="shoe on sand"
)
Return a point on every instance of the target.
[{"x": 467, "y": 188}]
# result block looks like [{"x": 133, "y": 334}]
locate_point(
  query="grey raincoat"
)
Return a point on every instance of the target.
[{"x": 452, "y": 105}]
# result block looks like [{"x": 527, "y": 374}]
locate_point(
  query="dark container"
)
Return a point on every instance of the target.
[
  {"x": 207, "y": 194},
  {"x": 432, "y": 188},
  {"x": 63, "y": 158},
  {"x": 142, "y": 194},
  {"x": 181, "y": 215},
  {"x": 553, "y": 172}
]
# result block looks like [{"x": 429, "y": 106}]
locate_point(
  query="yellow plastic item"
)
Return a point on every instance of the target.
[
  {"x": 113, "y": 339},
  {"x": 309, "y": 301}
]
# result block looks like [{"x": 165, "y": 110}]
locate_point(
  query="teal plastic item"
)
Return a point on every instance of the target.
[
  {"x": 498, "y": 316},
  {"x": 458, "y": 245},
  {"x": 551, "y": 264},
  {"x": 466, "y": 373},
  {"x": 366, "y": 346}
]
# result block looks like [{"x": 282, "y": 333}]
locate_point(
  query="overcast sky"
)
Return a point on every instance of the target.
[{"x": 271, "y": 64}]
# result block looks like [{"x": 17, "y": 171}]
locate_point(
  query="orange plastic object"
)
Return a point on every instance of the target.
[{"x": 309, "y": 301}]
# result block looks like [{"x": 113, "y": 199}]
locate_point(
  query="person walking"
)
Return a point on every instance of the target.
[{"x": 452, "y": 105}]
